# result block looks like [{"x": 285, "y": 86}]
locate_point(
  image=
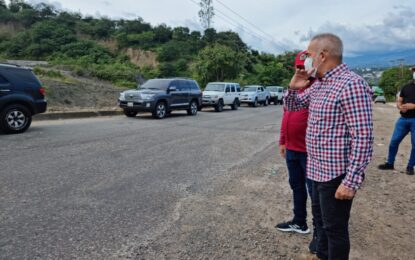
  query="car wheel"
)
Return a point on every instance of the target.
[
  {"x": 255, "y": 104},
  {"x": 235, "y": 105},
  {"x": 130, "y": 113},
  {"x": 219, "y": 106},
  {"x": 160, "y": 111},
  {"x": 266, "y": 102},
  {"x": 192, "y": 111},
  {"x": 15, "y": 119}
]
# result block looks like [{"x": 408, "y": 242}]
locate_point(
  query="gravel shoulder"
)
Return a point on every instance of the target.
[{"x": 236, "y": 220}]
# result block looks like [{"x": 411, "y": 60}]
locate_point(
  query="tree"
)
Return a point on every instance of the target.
[
  {"x": 206, "y": 13},
  {"x": 27, "y": 16},
  {"x": 181, "y": 33},
  {"x": 231, "y": 39},
  {"x": 393, "y": 79},
  {"x": 16, "y": 6},
  {"x": 47, "y": 37},
  {"x": 134, "y": 26},
  {"x": 162, "y": 33},
  {"x": 3, "y": 4},
  {"x": 46, "y": 10},
  {"x": 209, "y": 36},
  {"x": 169, "y": 52},
  {"x": 217, "y": 63}
]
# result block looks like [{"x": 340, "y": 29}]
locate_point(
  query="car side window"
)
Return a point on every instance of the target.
[
  {"x": 238, "y": 88},
  {"x": 227, "y": 89},
  {"x": 184, "y": 86},
  {"x": 175, "y": 84},
  {"x": 233, "y": 89}
]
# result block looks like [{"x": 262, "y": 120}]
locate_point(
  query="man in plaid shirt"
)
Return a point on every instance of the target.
[{"x": 339, "y": 139}]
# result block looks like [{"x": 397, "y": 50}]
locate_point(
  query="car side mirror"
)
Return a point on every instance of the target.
[
  {"x": 172, "y": 89},
  {"x": 227, "y": 91}
]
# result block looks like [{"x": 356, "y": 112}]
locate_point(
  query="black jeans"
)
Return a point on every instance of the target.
[
  {"x": 296, "y": 164},
  {"x": 331, "y": 217}
]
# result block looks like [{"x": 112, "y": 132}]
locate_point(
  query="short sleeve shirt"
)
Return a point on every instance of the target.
[{"x": 408, "y": 96}]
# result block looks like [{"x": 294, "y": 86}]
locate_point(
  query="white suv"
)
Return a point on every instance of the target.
[
  {"x": 276, "y": 94},
  {"x": 220, "y": 94},
  {"x": 254, "y": 95}
]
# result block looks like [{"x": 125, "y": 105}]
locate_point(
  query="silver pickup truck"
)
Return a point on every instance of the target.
[{"x": 254, "y": 95}]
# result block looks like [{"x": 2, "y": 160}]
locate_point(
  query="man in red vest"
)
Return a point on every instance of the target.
[{"x": 293, "y": 148}]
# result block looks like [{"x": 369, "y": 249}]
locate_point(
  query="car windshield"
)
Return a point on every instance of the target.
[
  {"x": 250, "y": 89},
  {"x": 158, "y": 84},
  {"x": 272, "y": 89},
  {"x": 215, "y": 87}
]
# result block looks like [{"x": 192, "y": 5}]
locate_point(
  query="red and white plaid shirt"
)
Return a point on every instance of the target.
[{"x": 339, "y": 135}]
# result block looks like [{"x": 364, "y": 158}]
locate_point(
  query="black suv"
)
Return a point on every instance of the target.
[
  {"x": 21, "y": 97},
  {"x": 161, "y": 96}
]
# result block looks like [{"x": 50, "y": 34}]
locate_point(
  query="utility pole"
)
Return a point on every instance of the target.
[{"x": 206, "y": 13}]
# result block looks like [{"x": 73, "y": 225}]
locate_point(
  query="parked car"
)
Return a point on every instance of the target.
[
  {"x": 161, "y": 97},
  {"x": 21, "y": 97},
  {"x": 254, "y": 95},
  {"x": 276, "y": 94},
  {"x": 220, "y": 94},
  {"x": 377, "y": 91},
  {"x": 380, "y": 99}
]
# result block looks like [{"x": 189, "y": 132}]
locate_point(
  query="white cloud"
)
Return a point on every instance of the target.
[{"x": 395, "y": 32}]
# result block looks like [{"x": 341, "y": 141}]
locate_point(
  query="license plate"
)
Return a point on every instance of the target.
[{"x": 130, "y": 104}]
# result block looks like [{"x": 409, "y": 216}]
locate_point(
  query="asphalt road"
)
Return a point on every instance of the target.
[{"x": 90, "y": 188}]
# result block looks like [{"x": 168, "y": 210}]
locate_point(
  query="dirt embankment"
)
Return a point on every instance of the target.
[
  {"x": 236, "y": 220},
  {"x": 71, "y": 93}
]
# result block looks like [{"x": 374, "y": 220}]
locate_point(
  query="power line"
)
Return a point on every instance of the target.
[
  {"x": 246, "y": 20},
  {"x": 235, "y": 25},
  {"x": 248, "y": 30}
]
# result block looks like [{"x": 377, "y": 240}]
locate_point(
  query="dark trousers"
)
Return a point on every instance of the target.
[
  {"x": 331, "y": 218},
  {"x": 296, "y": 164}
]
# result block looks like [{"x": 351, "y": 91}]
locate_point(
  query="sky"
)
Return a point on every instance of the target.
[{"x": 276, "y": 26}]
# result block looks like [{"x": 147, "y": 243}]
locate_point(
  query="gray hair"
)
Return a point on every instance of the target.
[{"x": 330, "y": 43}]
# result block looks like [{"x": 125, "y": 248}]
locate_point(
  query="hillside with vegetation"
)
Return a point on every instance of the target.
[{"x": 124, "y": 51}]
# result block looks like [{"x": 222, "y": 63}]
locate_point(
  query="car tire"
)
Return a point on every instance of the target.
[
  {"x": 130, "y": 113},
  {"x": 235, "y": 105},
  {"x": 255, "y": 104},
  {"x": 219, "y": 106},
  {"x": 193, "y": 108},
  {"x": 160, "y": 110},
  {"x": 15, "y": 119},
  {"x": 266, "y": 102}
]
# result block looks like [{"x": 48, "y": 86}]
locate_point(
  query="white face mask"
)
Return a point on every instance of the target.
[{"x": 308, "y": 66}]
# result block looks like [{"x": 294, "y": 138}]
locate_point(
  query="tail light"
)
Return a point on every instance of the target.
[{"x": 42, "y": 91}]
